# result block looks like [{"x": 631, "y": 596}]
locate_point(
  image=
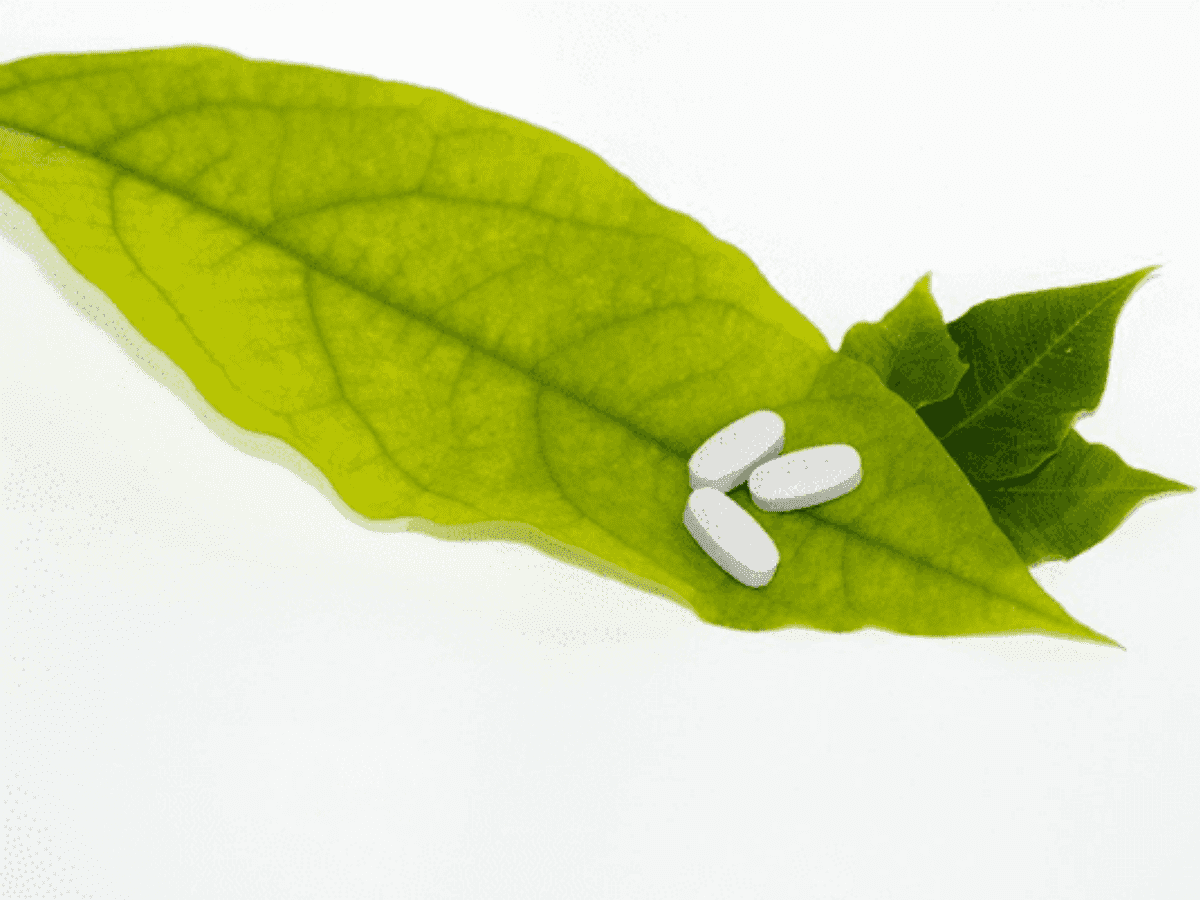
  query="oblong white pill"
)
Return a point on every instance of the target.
[
  {"x": 727, "y": 458},
  {"x": 806, "y": 477},
  {"x": 731, "y": 536}
]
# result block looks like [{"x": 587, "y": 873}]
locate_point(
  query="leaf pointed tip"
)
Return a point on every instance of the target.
[
  {"x": 1082, "y": 632},
  {"x": 1109, "y": 642},
  {"x": 1142, "y": 275}
]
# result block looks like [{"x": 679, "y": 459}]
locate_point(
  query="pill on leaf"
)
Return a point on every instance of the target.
[
  {"x": 806, "y": 477},
  {"x": 727, "y": 458},
  {"x": 731, "y": 536}
]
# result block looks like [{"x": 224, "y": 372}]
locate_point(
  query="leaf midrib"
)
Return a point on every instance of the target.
[
  {"x": 315, "y": 265},
  {"x": 1021, "y": 376},
  {"x": 867, "y": 539}
]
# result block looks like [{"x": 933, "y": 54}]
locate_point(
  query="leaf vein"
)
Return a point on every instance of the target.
[
  {"x": 1022, "y": 375},
  {"x": 383, "y": 447},
  {"x": 125, "y": 248}
]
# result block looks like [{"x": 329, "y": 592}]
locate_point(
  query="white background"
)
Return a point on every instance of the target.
[{"x": 215, "y": 686}]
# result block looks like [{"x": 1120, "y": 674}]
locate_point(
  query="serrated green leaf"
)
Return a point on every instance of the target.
[
  {"x": 909, "y": 348},
  {"x": 1071, "y": 502},
  {"x": 1037, "y": 361},
  {"x": 461, "y": 317}
]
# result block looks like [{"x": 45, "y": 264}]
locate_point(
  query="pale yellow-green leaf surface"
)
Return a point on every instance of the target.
[{"x": 458, "y": 316}]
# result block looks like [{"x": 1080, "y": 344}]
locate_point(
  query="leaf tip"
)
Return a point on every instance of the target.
[
  {"x": 1109, "y": 642},
  {"x": 1084, "y": 633},
  {"x": 1140, "y": 276}
]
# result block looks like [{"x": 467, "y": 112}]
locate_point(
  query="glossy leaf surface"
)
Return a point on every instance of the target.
[
  {"x": 460, "y": 317},
  {"x": 1072, "y": 501},
  {"x": 1037, "y": 361},
  {"x": 909, "y": 348}
]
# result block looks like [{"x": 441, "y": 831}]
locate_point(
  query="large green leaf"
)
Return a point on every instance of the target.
[
  {"x": 460, "y": 317},
  {"x": 909, "y": 348},
  {"x": 1037, "y": 361},
  {"x": 1071, "y": 502}
]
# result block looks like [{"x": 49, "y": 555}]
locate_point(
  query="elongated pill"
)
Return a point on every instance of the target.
[
  {"x": 726, "y": 459},
  {"x": 806, "y": 477},
  {"x": 729, "y": 534}
]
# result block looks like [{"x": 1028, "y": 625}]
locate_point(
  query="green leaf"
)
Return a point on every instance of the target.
[
  {"x": 1038, "y": 361},
  {"x": 909, "y": 348},
  {"x": 1071, "y": 502},
  {"x": 460, "y": 317}
]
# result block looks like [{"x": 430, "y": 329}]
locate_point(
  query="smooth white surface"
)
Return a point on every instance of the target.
[
  {"x": 731, "y": 536},
  {"x": 806, "y": 477},
  {"x": 212, "y": 685},
  {"x": 729, "y": 456}
]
